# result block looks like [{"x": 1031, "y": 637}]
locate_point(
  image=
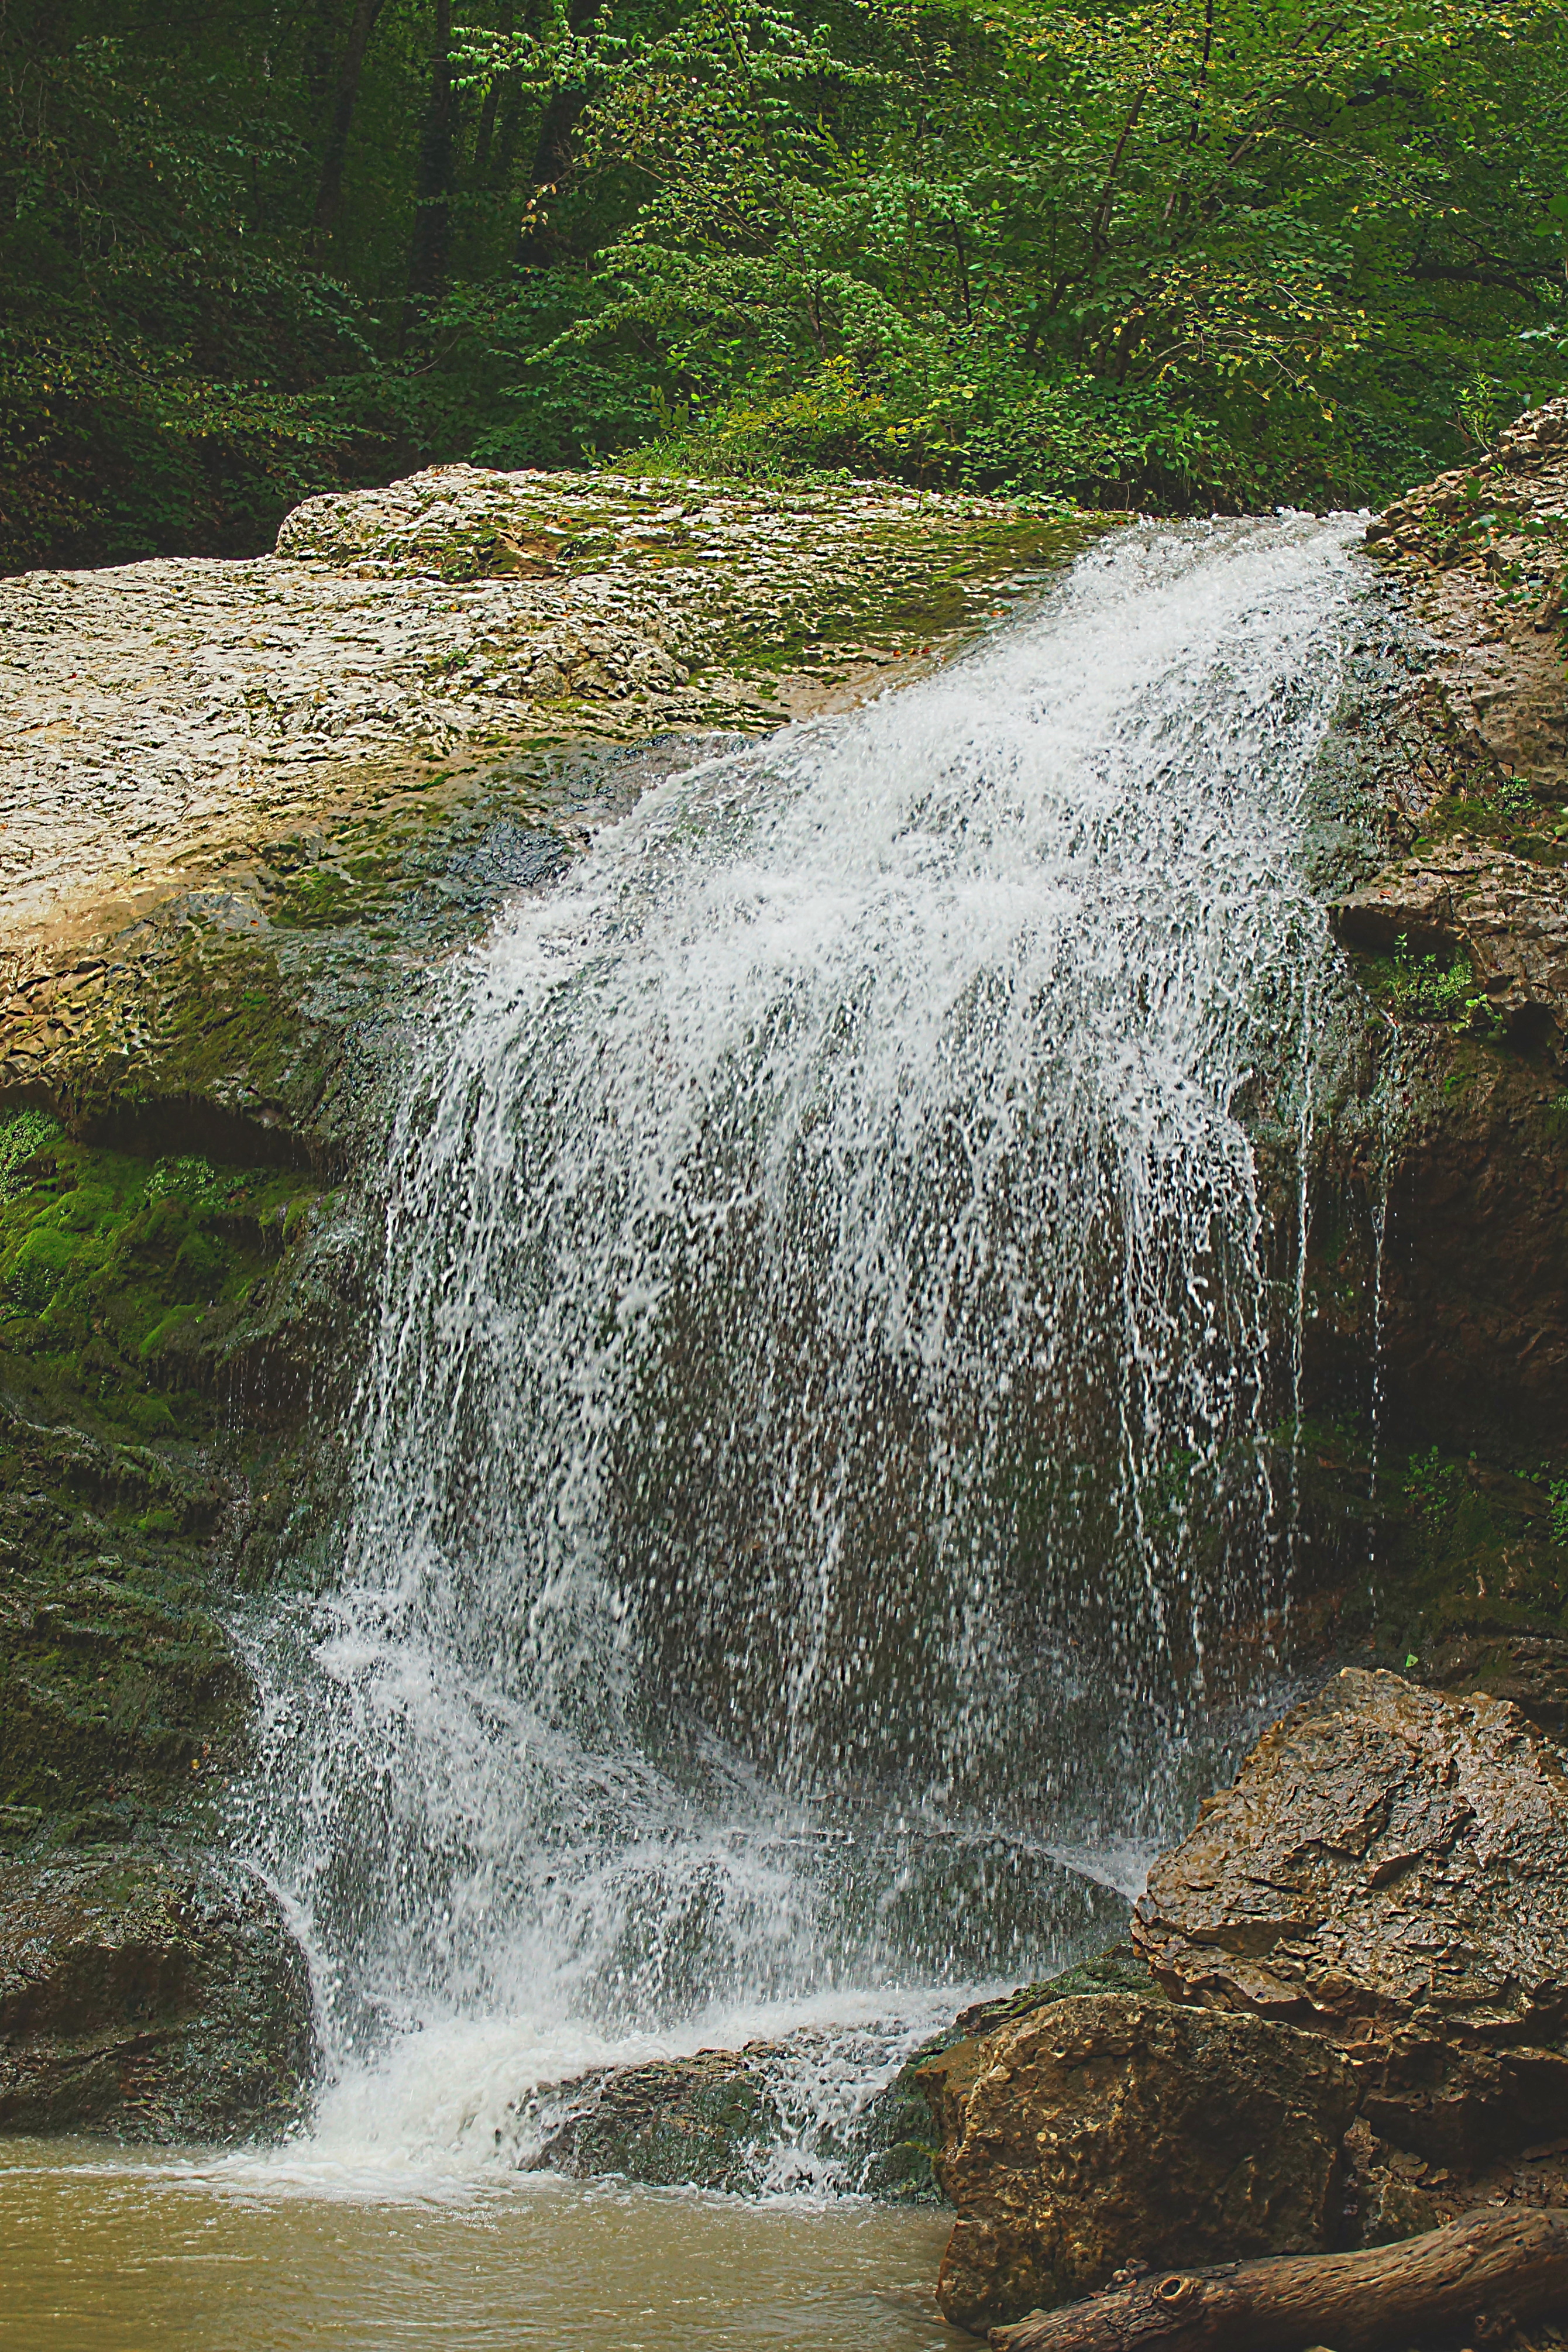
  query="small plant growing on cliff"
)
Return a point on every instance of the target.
[
  {"x": 1557, "y": 1496},
  {"x": 1434, "y": 1488},
  {"x": 1424, "y": 989},
  {"x": 1513, "y": 798},
  {"x": 22, "y": 1135}
]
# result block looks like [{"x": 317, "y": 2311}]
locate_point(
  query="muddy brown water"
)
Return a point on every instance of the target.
[{"x": 105, "y": 2250}]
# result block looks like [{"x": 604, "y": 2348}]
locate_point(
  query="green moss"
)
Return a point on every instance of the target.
[
  {"x": 128, "y": 1279},
  {"x": 108, "y": 1260},
  {"x": 23, "y": 1134},
  {"x": 1492, "y": 805}
]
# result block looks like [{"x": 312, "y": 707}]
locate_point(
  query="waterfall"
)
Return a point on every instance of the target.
[{"x": 813, "y": 1482}]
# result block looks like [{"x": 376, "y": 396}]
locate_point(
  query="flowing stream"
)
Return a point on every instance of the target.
[{"x": 818, "y": 1514}]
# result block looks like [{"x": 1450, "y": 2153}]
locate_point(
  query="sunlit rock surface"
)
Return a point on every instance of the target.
[
  {"x": 1107, "y": 2129},
  {"x": 1391, "y": 1869}
]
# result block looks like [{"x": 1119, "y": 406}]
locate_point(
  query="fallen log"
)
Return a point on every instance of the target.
[{"x": 1484, "y": 2276}]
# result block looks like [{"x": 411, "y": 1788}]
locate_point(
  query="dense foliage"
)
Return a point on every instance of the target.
[{"x": 1196, "y": 252}]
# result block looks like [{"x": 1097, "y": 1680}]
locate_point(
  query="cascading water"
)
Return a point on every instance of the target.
[{"x": 813, "y": 1466}]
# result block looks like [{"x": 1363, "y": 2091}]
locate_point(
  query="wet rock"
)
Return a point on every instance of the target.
[
  {"x": 706, "y": 2122},
  {"x": 1109, "y": 2129},
  {"x": 150, "y": 1997},
  {"x": 1390, "y": 1870},
  {"x": 1529, "y": 1669},
  {"x": 1483, "y": 551},
  {"x": 1507, "y": 915},
  {"x": 947, "y": 2068},
  {"x": 159, "y": 718}
]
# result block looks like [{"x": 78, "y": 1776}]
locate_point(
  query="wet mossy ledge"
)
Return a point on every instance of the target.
[{"x": 158, "y": 1341}]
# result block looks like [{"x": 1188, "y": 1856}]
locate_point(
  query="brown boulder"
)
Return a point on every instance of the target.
[
  {"x": 1110, "y": 2129},
  {"x": 1390, "y": 1870}
]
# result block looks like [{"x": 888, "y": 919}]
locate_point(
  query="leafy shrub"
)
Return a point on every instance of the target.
[
  {"x": 1424, "y": 988},
  {"x": 1557, "y": 1496}
]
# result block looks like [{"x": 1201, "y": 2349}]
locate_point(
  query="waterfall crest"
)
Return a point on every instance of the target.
[{"x": 812, "y": 1449}]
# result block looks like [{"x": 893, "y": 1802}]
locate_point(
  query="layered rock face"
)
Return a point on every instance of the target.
[
  {"x": 150, "y": 1997},
  {"x": 1434, "y": 1344}
]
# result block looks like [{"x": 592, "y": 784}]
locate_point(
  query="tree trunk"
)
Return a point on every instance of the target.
[
  {"x": 537, "y": 244},
  {"x": 1490, "y": 2272},
  {"x": 433, "y": 180},
  {"x": 330, "y": 192},
  {"x": 505, "y": 15}
]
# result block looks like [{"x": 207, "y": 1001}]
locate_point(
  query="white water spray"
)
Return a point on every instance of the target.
[{"x": 813, "y": 1442}]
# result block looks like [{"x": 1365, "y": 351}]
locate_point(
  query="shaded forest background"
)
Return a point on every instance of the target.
[{"x": 1206, "y": 253}]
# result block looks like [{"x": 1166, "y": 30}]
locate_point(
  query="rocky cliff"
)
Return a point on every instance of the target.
[
  {"x": 1433, "y": 1469},
  {"x": 248, "y": 808}
]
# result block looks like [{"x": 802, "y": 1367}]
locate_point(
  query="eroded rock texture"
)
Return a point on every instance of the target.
[
  {"x": 1390, "y": 1870},
  {"x": 150, "y": 1997},
  {"x": 1108, "y": 2129},
  {"x": 1508, "y": 915}
]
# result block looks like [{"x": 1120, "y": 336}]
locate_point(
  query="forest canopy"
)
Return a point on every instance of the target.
[{"x": 1205, "y": 252}]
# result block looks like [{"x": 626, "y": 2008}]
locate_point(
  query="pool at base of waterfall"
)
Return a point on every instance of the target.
[{"x": 114, "y": 2250}]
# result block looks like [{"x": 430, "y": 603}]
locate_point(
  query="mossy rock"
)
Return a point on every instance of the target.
[
  {"x": 706, "y": 2122},
  {"x": 150, "y": 1996}
]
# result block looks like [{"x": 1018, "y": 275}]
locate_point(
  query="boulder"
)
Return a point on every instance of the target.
[
  {"x": 150, "y": 1997},
  {"x": 707, "y": 2122},
  {"x": 1390, "y": 1870},
  {"x": 1108, "y": 2129}
]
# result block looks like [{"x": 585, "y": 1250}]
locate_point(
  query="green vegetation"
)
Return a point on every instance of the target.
[
  {"x": 1434, "y": 1488},
  {"x": 113, "y": 1271},
  {"x": 1207, "y": 253},
  {"x": 22, "y": 1136},
  {"x": 1495, "y": 805},
  {"x": 1428, "y": 988}
]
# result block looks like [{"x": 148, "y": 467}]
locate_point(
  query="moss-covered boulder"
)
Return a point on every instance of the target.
[
  {"x": 150, "y": 1996},
  {"x": 707, "y": 2122}
]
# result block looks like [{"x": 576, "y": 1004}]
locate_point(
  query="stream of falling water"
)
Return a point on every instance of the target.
[{"x": 813, "y": 1487}]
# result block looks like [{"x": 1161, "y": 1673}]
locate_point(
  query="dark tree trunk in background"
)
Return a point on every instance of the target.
[
  {"x": 318, "y": 48},
  {"x": 505, "y": 17},
  {"x": 330, "y": 192},
  {"x": 538, "y": 245},
  {"x": 431, "y": 241}
]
